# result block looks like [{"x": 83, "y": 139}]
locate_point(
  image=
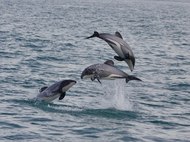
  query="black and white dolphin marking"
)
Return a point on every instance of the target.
[
  {"x": 56, "y": 90},
  {"x": 119, "y": 46},
  {"x": 106, "y": 71}
]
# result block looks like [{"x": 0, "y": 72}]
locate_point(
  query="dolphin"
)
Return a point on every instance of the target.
[
  {"x": 107, "y": 70},
  {"x": 56, "y": 90},
  {"x": 119, "y": 46}
]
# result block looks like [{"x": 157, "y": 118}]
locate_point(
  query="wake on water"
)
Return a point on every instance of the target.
[{"x": 115, "y": 95}]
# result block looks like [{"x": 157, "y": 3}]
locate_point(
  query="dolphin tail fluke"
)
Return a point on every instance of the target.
[{"x": 130, "y": 77}]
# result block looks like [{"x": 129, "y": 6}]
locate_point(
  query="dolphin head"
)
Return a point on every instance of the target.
[
  {"x": 66, "y": 84},
  {"x": 95, "y": 34},
  {"x": 87, "y": 73}
]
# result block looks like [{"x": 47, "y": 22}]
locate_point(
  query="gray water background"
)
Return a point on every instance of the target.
[{"x": 42, "y": 42}]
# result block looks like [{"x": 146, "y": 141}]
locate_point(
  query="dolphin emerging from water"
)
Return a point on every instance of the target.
[
  {"x": 106, "y": 71},
  {"x": 119, "y": 46},
  {"x": 56, "y": 90}
]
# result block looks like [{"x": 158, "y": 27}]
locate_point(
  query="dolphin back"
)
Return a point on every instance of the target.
[{"x": 106, "y": 70}]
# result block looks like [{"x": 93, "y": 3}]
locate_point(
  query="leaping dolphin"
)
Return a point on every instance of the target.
[
  {"x": 119, "y": 46},
  {"x": 56, "y": 90},
  {"x": 105, "y": 71}
]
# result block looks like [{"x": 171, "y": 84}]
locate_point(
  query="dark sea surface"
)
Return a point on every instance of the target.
[{"x": 43, "y": 41}]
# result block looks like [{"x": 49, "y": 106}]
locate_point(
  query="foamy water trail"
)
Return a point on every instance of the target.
[{"x": 115, "y": 95}]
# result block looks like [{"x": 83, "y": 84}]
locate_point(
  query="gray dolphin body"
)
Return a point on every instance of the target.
[
  {"x": 106, "y": 71},
  {"x": 119, "y": 46},
  {"x": 56, "y": 90}
]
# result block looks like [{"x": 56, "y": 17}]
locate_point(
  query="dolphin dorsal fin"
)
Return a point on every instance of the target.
[
  {"x": 118, "y": 34},
  {"x": 42, "y": 89},
  {"x": 109, "y": 62}
]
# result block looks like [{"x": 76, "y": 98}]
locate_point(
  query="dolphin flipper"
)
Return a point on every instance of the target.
[
  {"x": 99, "y": 80},
  {"x": 118, "y": 58},
  {"x": 92, "y": 78},
  {"x": 62, "y": 95},
  {"x": 96, "y": 77},
  {"x": 118, "y": 35}
]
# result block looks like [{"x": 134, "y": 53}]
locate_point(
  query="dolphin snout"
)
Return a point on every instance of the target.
[
  {"x": 73, "y": 82},
  {"x": 82, "y": 75}
]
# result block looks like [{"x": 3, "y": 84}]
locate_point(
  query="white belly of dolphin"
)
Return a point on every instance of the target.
[
  {"x": 117, "y": 48},
  {"x": 130, "y": 64},
  {"x": 66, "y": 88},
  {"x": 48, "y": 98},
  {"x": 112, "y": 76},
  {"x": 87, "y": 76}
]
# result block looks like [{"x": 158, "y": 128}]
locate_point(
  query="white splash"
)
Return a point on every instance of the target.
[{"x": 116, "y": 95}]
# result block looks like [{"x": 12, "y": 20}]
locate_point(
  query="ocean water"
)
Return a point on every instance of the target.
[{"x": 42, "y": 42}]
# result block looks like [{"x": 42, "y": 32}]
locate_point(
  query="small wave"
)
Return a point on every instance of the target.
[
  {"x": 10, "y": 125},
  {"x": 21, "y": 136},
  {"x": 110, "y": 113},
  {"x": 167, "y": 124},
  {"x": 48, "y": 107},
  {"x": 179, "y": 86}
]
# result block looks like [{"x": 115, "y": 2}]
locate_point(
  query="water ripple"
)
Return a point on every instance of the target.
[{"x": 43, "y": 42}]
